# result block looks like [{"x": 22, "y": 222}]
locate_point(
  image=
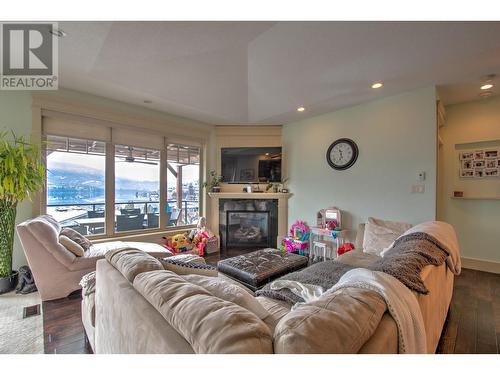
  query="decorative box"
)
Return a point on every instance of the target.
[{"x": 212, "y": 245}]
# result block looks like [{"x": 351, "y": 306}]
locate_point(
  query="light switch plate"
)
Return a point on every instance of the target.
[{"x": 418, "y": 189}]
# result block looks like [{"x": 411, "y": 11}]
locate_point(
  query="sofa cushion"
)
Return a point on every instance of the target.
[
  {"x": 101, "y": 248},
  {"x": 380, "y": 234},
  {"x": 71, "y": 245},
  {"x": 132, "y": 262},
  {"x": 358, "y": 258},
  {"x": 77, "y": 237},
  {"x": 277, "y": 310},
  {"x": 208, "y": 323},
  {"x": 44, "y": 230},
  {"x": 229, "y": 292},
  {"x": 337, "y": 322}
]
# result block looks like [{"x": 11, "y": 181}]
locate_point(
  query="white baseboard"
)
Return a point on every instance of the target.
[{"x": 481, "y": 265}]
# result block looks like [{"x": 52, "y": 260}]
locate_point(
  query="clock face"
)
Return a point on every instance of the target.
[{"x": 342, "y": 154}]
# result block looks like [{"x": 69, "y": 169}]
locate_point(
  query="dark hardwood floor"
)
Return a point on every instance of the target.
[
  {"x": 62, "y": 326},
  {"x": 473, "y": 322},
  {"x": 472, "y": 325}
]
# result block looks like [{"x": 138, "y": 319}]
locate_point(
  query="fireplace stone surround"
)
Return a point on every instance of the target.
[{"x": 248, "y": 223}]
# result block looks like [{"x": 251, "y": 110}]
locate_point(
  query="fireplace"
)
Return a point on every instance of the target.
[
  {"x": 248, "y": 223},
  {"x": 247, "y": 229}
]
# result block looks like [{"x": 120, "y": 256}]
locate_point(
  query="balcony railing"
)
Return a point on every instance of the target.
[{"x": 89, "y": 218}]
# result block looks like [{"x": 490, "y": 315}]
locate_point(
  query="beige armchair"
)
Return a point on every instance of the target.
[{"x": 58, "y": 271}]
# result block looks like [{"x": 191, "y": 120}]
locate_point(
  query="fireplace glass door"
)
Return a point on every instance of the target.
[{"x": 247, "y": 228}]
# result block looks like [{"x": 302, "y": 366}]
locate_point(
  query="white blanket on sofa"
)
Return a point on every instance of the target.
[{"x": 401, "y": 303}]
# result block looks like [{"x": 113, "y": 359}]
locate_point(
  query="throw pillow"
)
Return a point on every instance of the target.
[
  {"x": 229, "y": 292},
  {"x": 77, "y": 237},
  {"x": 380, "y": 234},
  {"x": 132, "y": 262},
  {"x": 71, "y": 245},
  {"x": 181, "y": 267}
]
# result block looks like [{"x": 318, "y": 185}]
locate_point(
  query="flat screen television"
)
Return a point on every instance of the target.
[{"x": 241, "y": 165}]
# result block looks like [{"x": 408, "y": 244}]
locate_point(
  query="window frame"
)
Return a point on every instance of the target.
[
  {"x": 109, "y": 188},
  {"x": 201, "y": 150}
]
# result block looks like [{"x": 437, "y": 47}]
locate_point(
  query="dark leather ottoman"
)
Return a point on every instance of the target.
[{"x": 257, "y": 268}]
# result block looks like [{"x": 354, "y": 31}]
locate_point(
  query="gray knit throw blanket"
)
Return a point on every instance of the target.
[{"x": 405, "y": 261}]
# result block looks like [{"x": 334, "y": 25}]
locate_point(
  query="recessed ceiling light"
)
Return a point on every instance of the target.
[
  {"x": 487, "y": 86},
  {"x": 377, "y": 85},
  {"x": 148, "y": 101},
  {"x": 301, "y": 109},
  {"x": 58, "y": 32}
]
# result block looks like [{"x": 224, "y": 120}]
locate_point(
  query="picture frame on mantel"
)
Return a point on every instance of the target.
[{"x": 247, "y": 175}]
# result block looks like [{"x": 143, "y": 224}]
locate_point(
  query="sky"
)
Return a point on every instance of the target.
[{"x": 133, "y": 171}]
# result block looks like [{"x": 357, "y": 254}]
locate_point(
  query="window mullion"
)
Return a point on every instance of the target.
[
  {"x": 163, "y": 189},
  {"x": 110, "y": 189}
]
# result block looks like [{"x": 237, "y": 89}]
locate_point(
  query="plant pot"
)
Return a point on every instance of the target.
[
  {"x": 216, "y": 189},
  {"x": 8, "y": 283}
]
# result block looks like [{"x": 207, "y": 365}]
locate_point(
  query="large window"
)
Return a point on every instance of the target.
[
  {"x": 137, "y": 188},
  {"x": 122, "y": 181},
  {"x": 76, "y": 183},
  {"x": 183, "y": 184}
]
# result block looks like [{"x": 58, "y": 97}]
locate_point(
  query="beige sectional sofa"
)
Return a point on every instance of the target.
[
  {"x": 151, "y": 310},
  {"x": 57, "y": 270}
]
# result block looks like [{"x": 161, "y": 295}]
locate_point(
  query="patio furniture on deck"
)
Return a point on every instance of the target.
[
  {"x": 153, "y": 221},
  {"x": 130, "y": 211},
  {"x": 127, "y": 222},
  {"x": 94, "y": 214}
]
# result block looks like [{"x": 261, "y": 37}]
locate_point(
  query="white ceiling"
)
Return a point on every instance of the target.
[{"x": 260, "y": 72}]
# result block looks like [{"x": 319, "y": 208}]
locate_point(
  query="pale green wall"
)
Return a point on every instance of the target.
[
  {"x": 15, "y": 114},
  {"x": 396, "y": 138},
  {"x": 477, "y": 221}
]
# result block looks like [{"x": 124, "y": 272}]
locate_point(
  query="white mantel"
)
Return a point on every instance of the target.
[
  {"x": 241, "y": 195},
  {"x": 282, "y": 198}
]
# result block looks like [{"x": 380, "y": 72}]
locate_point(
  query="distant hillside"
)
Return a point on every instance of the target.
[{"x": 62, "y": 177}]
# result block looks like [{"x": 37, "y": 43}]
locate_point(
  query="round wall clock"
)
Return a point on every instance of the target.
[{"x": 342, "y": 154}]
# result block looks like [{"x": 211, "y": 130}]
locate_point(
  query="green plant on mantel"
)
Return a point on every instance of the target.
[
  {"x": 277, "y": 186},
  {"x": 213, "y": 182},
  {"x": 21, "y": 174}
]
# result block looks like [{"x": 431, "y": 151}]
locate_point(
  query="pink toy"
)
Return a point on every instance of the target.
[
  {"x": 299, "y": 228},
  {"x": 332, "y": 224},
  {"x": 328, "y": 217}
]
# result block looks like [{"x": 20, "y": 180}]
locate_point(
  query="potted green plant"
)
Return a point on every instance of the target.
[
  {"x": 21, "y": 174},
  {"x": 214, "y": 183},
  {"x": 277, "y": 186}
]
